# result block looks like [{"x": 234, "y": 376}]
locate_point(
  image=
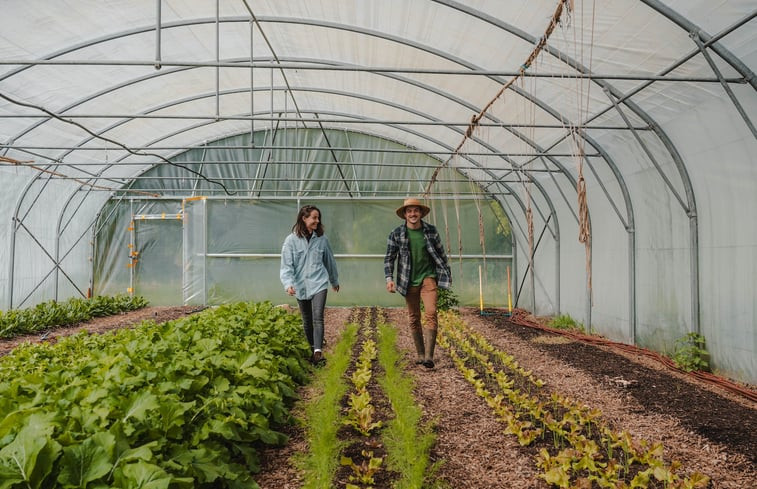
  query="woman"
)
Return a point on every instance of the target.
[{"x": 307, "y": 268}]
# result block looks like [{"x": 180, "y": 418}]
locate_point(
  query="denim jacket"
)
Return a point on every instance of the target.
[
  {"x": 308, "y": 266},
  {"x": 398, "y": 249}
]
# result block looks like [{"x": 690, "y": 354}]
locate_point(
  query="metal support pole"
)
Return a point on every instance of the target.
[
  {"x": 218, "y": 60},
  {"x": 158, "y": 33},
  {"x": 252, "y": 87},
  {"x": 632, "y": 282},
  {"x": 132, "y": 242}
]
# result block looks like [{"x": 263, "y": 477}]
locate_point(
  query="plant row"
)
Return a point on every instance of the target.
[
  {"x": 360, "y": 415},
  {"x": 183, "y": 404},
  {"x": 575, "y": 447},
  {"x": 52, "y": 314},
  {"x": 387, "y": 446}
]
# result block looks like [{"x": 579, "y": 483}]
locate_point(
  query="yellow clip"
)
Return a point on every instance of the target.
[
  {"x": 163, "y": 215},
  {"x": 129, "y": 290}
]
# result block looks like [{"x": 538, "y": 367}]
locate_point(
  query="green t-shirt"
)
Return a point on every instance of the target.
[{"x": 422, "y": 266}]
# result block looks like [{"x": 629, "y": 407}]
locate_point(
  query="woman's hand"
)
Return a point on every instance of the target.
[
  {"x": 290, "y": 290},
  {"x": 336, "y": 288},
  {"x": 390, "y": 287}
]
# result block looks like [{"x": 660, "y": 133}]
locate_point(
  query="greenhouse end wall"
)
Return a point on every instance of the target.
[{"x": 224, "y": 250}]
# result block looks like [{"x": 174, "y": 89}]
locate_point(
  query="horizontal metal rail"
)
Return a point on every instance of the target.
[
  {"x": 286, "y": 148},
  {"x": 366, "y": 69},
  {"x": 321, "y": 120},
  {"x": 357, "y": 255}
]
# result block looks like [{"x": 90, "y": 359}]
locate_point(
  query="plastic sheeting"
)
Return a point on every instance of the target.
[
  {"x": 660, "y": 96},
  {"x": 227, "y": 248}
]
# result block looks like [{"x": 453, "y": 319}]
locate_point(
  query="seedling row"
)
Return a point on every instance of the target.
[{"x": 573, "y": 446}]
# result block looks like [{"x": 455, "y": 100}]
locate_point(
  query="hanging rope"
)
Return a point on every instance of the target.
[
  {"x": 554, "y": 21},
  {"x": 584, "y": 227},
  {"x": 28, "y": 164},
  {"x": 584, "y": 231}
]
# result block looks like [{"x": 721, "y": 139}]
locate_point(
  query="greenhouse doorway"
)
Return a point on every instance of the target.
[{"x": 157, "y": 264}]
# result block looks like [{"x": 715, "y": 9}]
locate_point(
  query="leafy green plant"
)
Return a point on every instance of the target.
[
  {"x": 322, "y": 416},
  {"x": 407, "y": 439},
  {"x": 363, "y": 472},
  {"x": 565, "y": 321},
  {"x": 574, "y": 458},
  {"x": 52, "y": 314},
  {"x": 446, "y": 299},
  {"x": 360, "y": 413},
  {"x": 691, "y": 353},
  {"x": 103, "y": 410}
]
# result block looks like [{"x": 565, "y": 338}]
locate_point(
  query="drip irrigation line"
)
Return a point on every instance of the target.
[
  {"x": 520, "y": 318},
  {"x": 111, "y": 141}
]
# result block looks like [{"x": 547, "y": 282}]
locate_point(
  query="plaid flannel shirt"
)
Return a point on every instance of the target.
[{"x": 398, "y": 249}]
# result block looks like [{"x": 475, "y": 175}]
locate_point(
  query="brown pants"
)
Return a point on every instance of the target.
[{"x": 425, "y": 292}]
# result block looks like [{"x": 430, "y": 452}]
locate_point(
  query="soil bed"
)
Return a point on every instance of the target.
[{"x": 704, "y": 427}]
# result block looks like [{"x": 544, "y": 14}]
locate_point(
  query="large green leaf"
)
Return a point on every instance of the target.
[
  {"x": 30, "y": 456},
  {"x": 87, "y": 461},
  {"x": 140, "y": 405},
  {"x": 142, "y": 475},
  {"x": 203, "y": 463}
]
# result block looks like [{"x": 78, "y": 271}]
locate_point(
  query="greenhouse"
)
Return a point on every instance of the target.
[{"x": 590, "y": 161}]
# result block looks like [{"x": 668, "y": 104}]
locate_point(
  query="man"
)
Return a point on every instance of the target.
[{"x": 421, "y": 268}]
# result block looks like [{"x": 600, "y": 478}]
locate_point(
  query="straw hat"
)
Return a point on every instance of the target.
[{"x": 413, "y": 202}]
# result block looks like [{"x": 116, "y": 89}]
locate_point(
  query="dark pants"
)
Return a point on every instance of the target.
[
  {"x": 425, "y": 292},
  {"x": 312, "y": 318}
]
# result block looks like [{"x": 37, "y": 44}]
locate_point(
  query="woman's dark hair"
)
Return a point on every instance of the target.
[{"x": 299, "y": 226}]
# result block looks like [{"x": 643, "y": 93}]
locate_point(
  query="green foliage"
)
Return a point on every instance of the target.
[
  {"x": 323, "y": 418},
  {"x": 407, "y": 439},
  {"x": 564, "y": 321},
  {"x": 503, "y": 223},
  {"x": 53, "y": 314},
  {"x": 363, "y": 472},
  {"x": 691, "y": 353},
  {"x": 446, "y": 299},
  {"x": 584, "y": 448},
  {"x": 181, "y": 404}
]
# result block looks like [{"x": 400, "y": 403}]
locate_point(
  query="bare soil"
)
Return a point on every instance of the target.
[{"x": 705, "y": 427}]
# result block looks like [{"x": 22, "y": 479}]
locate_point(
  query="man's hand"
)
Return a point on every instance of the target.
[
  {"x": 336, "y": 288},
  {"x": 290, "y": 290},
  {"x": 390, "y": 287}
]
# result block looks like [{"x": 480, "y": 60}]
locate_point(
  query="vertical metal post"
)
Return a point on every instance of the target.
[
  {"x": 92, "y": 250},
  {"x": 218, "y": 60},
  {"x": 252, "y": 88},
  {"x": 132, "y": 243},
  {"x": 632, "y": 282},
  {"x": 158, "y": 32},
  {"x": 11, "y": 262},
  {"x": 204, "y": 252}
]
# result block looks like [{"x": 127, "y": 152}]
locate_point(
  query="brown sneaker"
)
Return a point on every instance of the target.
[{"x": 318, "y": 359}]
